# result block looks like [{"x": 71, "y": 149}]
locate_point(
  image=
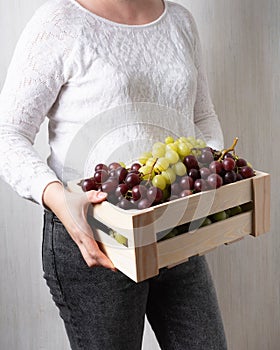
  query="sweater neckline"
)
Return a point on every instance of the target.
[{"x": 124, "y": 25}]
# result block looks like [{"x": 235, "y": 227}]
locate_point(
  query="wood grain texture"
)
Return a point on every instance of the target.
[{"x": 241, "y": 49}]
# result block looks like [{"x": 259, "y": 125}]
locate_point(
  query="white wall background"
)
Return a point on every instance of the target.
[{"x": 242, "y": 54}]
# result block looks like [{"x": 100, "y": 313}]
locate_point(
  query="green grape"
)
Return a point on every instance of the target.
[
  {"x": 169, "y": 139},
  {"x": 161, "y": 164},
  {"x": 183, "y": 149},
  {"x": 191, "y": 139},
  {"x": 122, "y": 164},
  {"x": 183, "y": 139},
  {"x": 172, "y": 146},
  {"x": 147, "y": 171},
  {"x": 158, "y": 150},
  {"x": 169, "y": 176},
  {"x": 144, "y": 157},
  {"x": 120, "y": 238},
  {"x": 172, "y": 156},
  {"x": 235, "y": 210},
  {"x": 151, "y": 162},
  {"x": 200, "y": 143},
  {"x": 207, "y": 221},
  {"x": 179, "y": 169},
  {"x": 159, "y": 182},
  {"x": 222, "y": 215}
]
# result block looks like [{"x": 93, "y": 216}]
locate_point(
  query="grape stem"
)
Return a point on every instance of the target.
[
  {"x": 151, "y": 172},
  {"x": 228, "y": 149}
]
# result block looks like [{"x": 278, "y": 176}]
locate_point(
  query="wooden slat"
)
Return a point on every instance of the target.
[
  {"x": 146, "y": 261},
  {"x": 261, "y": 199},
  {"x": 208, "y": 237}
]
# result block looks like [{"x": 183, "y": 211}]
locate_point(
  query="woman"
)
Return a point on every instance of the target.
[{"x": 74, "y": 60}]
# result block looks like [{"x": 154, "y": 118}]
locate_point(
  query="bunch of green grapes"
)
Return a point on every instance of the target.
[{"x": 164, "y": 162}]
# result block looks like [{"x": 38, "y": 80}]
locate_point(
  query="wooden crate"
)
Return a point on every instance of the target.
[{"x": 144, "y": 255}]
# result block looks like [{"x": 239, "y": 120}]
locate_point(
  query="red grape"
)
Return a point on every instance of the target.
[
  {"x": 132, "y": 180},
  {"x": 190, "y": 162},
  {"x": 194, "y": 174},
  {"x": 109, "y": 186},
  {"x": 214, "y": 181},
  {"x": 101, "y": 166},
  {"x": 206, "y": 157},
  {"x": 241, "y": 162},
  {"x": 138, "y": 192},
  {"x": 229, "y": 177},
  {"x": 89, "y": 185},
  {"x": 135, "y": 166},
  {"x": 186, "y": 193},
  {"x": 228, "y": 155},
  {"x": 154, "y": 195},
  {"x": 186, "y": 183},
  {"x": 175, "y": 188},
  {"x": 246, "y": 172},
  {"x": 121, "y": 190},
  {"x": 200, "y": 185},
  {"x": 100, "y": 176},
  {"x": 121, "y": 174},
  {"x": 144, "y": 204},
  {"x": 204, "y": 173},
  {"x": 228, "y": 164},
  {"x": 113, "y": 165},
  {"x": 216, "y": 167},
  {"x": 125, "y": 204}
]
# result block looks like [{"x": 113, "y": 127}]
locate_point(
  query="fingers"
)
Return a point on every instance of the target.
[
  {"x": 96, "y": 196},
  {"x": 92, "y": 254}
]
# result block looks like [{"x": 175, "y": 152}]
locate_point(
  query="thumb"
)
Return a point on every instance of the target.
[{"x": 96, "y": 196}]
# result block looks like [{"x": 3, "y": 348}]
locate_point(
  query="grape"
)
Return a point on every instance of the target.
[
  {"x": 150, "y": 162},
  {"x": 132, "y": 180},
  {"x": 109, "y": 186},
  {"x": 146, "y": 171},
  {"x": 139, "y": 191},
  {"x": 235, "y": 210},
  {"x": 120, "y": 238},
  {"x": 207, "y": 221},
  {"x": 121, "y": 190},
  {"x": 171, "y": 147},
  {"x": 228, "y": 164},
  {"x": 214, "y": 181},
  {"x": 100, "y": 176},
  {"x": 228, "y": 155},
  {"x": 159, "y": 181},
  {"x": 135, "y": 166},
  {"x": 241, "y": 162},
  {"x": 144, "y": 157},
  {"x": 169, "y": 139},
  {"x": 101, "y": 166},
  {"x": 125, "y": 204},
  {"x": 121, "y": 174},
  {"x": 89, "y": 185},
  {"x": 229, "y": 177},
  {"x": 200, "y": 185},
  {"x": 113, "y": 165},
  {"x": 179, "y": 169},
  {"x": 175, "y": 188},
  {"x": 216, "y": 167},
  {"x": 185, "y": 193},
  {"x": 144, "y": 204},
  {"x": 161, "y": 164},
  {"x": 169, "y": 175},
  {"x": 183, "y": 149},
  {"x": 246, "y": 172},
  {"x": 204, "y": 173},
  {"x": 172, "y": 156},
  {"x": 239, "y": 177},
  {"x": 158, "y": 150},
  {"x": 206, "y": 157},
  {"x": 190, "y": 162},
  {"x": 154, "y": 195},
  {"x": 186, "y": 183},
  {"x": 194, "y": 174},
  {"x": 220, "y": 216},
  {"x": 111, "y": 198}
]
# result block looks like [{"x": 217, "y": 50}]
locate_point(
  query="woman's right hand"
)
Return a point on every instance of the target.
[{"x": 71, "y": 209}]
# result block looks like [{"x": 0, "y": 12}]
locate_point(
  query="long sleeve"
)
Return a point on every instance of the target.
[
  {"x": 205, "y": 117},
  {"x": 33, "y": 81}
]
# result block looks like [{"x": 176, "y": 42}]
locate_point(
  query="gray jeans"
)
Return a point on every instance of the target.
[{"x": 105, "y": 310}]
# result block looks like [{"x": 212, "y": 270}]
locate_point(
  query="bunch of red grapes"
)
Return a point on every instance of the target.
[{"x": 208, "y": 169}]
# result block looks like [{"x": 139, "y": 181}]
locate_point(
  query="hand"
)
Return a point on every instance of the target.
[{"x": 71, "y": 209}]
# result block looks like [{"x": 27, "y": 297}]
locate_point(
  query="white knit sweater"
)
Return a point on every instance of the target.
[{"x": 71, "y": 64}]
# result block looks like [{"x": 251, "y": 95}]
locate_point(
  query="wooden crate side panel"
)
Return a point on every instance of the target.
[
  {"x": 261, "y": 196},
  {"x": 122, "y": 257},
  {"x": 202, "y": 204},
  {"x": 206, "y": 238},
  {"x": 146, "y": 261}
]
